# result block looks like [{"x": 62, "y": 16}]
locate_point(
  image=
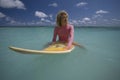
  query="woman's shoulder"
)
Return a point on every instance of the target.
[
  {"x": 56, "y": 28},
  {"x": 70, "y": 26}
]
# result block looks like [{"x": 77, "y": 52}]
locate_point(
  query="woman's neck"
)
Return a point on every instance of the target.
[{"x": 64, "y": 25}]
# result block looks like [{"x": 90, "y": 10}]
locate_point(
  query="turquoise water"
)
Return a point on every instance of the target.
[{"x": 99, "y": 61}]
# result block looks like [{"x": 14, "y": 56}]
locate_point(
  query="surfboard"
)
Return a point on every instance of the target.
[{"x": 57, "y": 48}]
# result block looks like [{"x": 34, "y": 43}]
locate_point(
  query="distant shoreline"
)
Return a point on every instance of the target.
[{"x": 53, "y": 26}]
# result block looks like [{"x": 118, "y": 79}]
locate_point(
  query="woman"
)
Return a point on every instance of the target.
[{"x": 63, "y": 30}]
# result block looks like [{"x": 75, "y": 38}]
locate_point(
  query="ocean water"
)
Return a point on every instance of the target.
[{"x": 100, "y": 60}]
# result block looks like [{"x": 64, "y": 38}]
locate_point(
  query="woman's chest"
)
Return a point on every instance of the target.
[{"x": 63, "y": 31}]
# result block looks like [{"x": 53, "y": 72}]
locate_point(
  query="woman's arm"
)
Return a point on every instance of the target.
[
  {"x": 54, "y": 35},
  {"x": 71, "y": 37}
]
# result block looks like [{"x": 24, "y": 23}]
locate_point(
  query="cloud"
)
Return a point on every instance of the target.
[
  {"x": 45, "y": 20},
  {"x": 2, "y": 15},
  {"x": 12, "y": 4},
  {"x": 101, "y": 12},
  {"x": 53, "y": 5},
  {"x": 40, "y": 14},
  {"x": 74, "y": 22},
  {"x": 81, "y": 4},
  {"x": 116, "y": 20},
  {"x": 83, "y": 21},
  {"x": 97, "y": 16},
  {"x": 9, "y": 20},
  {"x": 6, "y": 19},
  {"x": 86, "y": 19}
]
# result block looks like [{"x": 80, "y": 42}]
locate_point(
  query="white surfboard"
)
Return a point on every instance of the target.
[{"x": 57, "y": 48}]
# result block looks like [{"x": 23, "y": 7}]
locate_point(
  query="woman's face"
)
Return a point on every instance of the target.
[{"x": 64, "y": 19}]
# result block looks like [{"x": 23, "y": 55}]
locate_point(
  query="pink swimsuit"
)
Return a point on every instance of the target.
[{"x": 64, "y": 33}]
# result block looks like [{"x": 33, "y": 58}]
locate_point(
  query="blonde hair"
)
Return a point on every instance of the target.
[{"x": 58, "y": 18}]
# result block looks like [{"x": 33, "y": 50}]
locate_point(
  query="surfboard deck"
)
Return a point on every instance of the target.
[{"x": 57, "y": 48}]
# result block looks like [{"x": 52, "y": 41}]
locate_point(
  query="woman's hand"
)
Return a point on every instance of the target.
[
  {"x": 67, "y": 48},
  {"x": 53, "y": 43}
]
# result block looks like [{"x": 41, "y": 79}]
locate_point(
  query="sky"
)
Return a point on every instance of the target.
[{"x": 43, "y": 12}]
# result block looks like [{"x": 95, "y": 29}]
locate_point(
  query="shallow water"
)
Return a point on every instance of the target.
[{"x": 98, "y": 61}]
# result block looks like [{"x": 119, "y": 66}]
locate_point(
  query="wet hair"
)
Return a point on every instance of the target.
[{"x": 58, "y": 18}]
